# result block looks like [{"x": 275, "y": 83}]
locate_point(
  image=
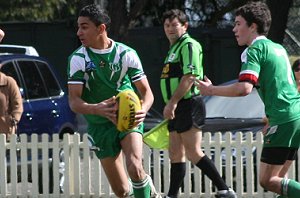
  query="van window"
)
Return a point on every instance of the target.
[
  {"x": 33, "y": 81},
  {"x": 52, "y": 84},
  {"x": 10, "y": 70}
]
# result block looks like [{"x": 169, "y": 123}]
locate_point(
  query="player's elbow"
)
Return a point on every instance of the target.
[
  {"x": 72, "y": 105},
  {"x": 243, "y": 89},
  {"x": 243, "y": 92}
]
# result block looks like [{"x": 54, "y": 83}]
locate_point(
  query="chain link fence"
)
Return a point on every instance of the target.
[{"x": 292, "y": 37}]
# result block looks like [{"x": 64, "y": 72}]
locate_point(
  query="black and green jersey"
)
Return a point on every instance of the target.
[
  {"x": 104, "y": 73},
  {"x": 266, "y": 65},
  {"x": 184, "y": 57}
]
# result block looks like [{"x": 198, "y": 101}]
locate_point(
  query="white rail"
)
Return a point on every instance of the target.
[{"x": 48, "y": 167}]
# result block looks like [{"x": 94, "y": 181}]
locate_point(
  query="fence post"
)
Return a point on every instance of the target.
[
  {"x": 71, "y": 170},
  {"x": 86, "y": 167},
  {"x": 239, "y": 168},
  {"x": 3, "y": 165},
  {"x": 57, "y": 165},
  {"x": 68, "y": 183},
  {"x": 34, "y": 165},
  {"x": 75, "y": 156}
]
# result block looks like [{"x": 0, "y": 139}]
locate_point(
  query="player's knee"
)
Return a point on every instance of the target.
[
  {"x": 190, "y": 157},
  {"x": 263, "y": 183},
  {"x": 121, "y": 192},
  {"x": 267, "y": 183},
  {"x": 194, "y": 155},
  {"x": 176, "y": 155}
]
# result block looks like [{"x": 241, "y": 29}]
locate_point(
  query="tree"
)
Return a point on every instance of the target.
[
  {"x": 26, "y": 10},
  {"x": 279, "y": 12},
  {"x": 123, "y": 17},
  {"x": 202, "y": 13},
  {"x": 128, "y": 14},
  {"x": 40, "y": 11}
]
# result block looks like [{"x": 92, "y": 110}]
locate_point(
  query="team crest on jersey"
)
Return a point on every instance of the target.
[
  {"x": 114, "y": 68},
  {"x": 171, "y": 57}
]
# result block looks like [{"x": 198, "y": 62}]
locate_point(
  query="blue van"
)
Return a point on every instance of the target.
[{"x": 45, "y": 102}]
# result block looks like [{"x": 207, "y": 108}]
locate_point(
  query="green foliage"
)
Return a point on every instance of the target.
[{"x": 37, "y": 10}]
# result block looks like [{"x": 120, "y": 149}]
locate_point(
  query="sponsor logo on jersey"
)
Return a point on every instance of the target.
[
  {"x": 191, "y": 67},
  {"x": 165, "y": 71},
  {"x": 90, "y": 66},
  {"x": 171, "y": 57}
]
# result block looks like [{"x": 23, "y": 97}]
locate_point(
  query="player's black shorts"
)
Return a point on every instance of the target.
[
  {"x": 278, "y": 155},
  {"x": 189, "y": 112}
]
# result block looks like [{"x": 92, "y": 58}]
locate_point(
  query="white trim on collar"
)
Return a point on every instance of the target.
[
  {"x": 104, "y": 51},
  {"x": 258, "y": 38}
]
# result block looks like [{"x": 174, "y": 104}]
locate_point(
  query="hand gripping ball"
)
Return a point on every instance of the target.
[{"x": 128, "y": 104}]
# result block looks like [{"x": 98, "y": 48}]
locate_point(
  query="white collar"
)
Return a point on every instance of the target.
[{"x": 258, "y": 38}]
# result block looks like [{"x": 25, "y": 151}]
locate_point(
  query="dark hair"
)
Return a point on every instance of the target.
[
  {"x": 258, "y": 13},
  {"x": 296, "y": 65},
  {"x": 175, "y": 13},
  {"x": 97, "y": 15}
]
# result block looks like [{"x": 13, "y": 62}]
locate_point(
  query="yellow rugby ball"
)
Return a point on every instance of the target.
[{"x": 128, "y": 104}]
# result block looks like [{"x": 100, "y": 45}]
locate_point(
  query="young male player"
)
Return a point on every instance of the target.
[
  {"x": 97, "y": 71},
  {"x": 266, "y": 66}
]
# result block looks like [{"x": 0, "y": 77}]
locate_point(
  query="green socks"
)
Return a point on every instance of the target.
[
  {"x": 290, "y": 188},
  {"x": 142, "y": 188}
]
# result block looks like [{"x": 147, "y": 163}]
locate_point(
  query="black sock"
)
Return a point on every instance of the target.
[
  {"x": 210, "y": 170},
  {"x": 177, "y": 176}
]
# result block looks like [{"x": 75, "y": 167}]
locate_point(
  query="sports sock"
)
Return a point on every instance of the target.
[
  {"x": 130, "y": 193},
  {"x": 210, "y": 170},
  {"x": 290, "y": 188},
  {"x": 141, "y": 189},
  {"x": 176, "y": 178}
]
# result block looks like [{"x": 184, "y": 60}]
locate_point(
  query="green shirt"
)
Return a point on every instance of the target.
[
  {"x": 267, "y": 66},
  {"x": 103, "y": 73},
  {"x": 184, "y": 57}
]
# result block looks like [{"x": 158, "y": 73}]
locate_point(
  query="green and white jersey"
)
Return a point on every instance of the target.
[
  {"x": 266, "y": 65},
  {"x": 104, "y": 73},
  {"x": 184, "y": 57}
]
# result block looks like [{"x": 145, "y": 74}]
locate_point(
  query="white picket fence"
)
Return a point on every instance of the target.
[{"x": 84, "y": 177}]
